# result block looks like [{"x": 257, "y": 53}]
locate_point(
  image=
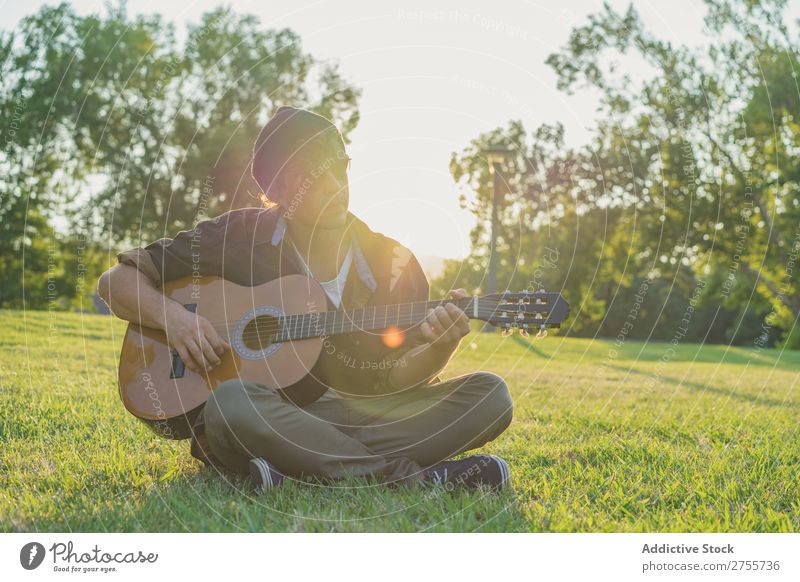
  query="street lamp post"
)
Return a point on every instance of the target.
[{"x": 495, "y": 155}]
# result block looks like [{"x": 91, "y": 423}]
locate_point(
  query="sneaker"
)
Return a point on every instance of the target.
[
  {"x": 264, "y": 475},
  {"x": 471, "y": 471}
]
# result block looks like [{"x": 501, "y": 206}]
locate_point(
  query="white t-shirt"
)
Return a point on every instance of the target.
[
  {"x": 334, "y": 289},
  {"x": 335, "y": 286}
]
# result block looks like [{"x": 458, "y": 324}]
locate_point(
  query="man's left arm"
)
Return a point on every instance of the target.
[{"x": 443, "y": 328}]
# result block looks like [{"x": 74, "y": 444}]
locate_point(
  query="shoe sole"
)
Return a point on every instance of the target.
[
  {"x": 260, "y": 474},
  {"x": 505, "y": 472}
]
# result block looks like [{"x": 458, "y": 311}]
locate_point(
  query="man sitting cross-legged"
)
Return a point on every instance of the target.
[{"x": 385, "y": 414}]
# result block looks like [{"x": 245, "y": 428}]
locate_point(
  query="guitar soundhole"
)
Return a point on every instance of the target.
[{"x": 259, "y": 332}]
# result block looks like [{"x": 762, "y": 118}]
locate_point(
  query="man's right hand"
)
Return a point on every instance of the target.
[{"x": 195, "y": 339}]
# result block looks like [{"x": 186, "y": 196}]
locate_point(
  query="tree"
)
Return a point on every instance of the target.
[
  {"x": 189, "y": 151},
  {"x": 707, "y": 143},
  {"x": 131, "y": 136},
  {"x": 556, "y": 232},
  {"x": 676, "y": 194}
]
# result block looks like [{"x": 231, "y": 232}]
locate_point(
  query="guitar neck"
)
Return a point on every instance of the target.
[{"x": 401, "y": 315}]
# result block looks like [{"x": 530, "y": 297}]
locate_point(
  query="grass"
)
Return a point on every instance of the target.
[{"x": 603, "y": 439}]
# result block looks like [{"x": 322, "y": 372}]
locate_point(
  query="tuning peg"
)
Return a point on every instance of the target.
[
  {"x": 523, "y": 331},
  {"x": 507, "y": 330},
  {"x": 542, "y": 332}
]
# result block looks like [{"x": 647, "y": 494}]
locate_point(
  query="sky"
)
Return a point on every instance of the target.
[{"x": 434, "y": 75}]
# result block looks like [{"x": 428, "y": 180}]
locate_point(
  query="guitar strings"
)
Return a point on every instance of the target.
[
  {"x": 220, "y": 326},
  {"x": 382, "y": 323},
  {"x": 288, "y": 323},
  {"x": 384, "y": 319},
  {"x": 271, "y": 329},
  {"x": 274, "y": 328},
  {"x": 482, "y": 312}
]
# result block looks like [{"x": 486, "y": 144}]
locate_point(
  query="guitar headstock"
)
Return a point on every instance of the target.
[{"x": 524, "y": 310}]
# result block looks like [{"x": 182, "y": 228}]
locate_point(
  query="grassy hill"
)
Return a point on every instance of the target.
[{"x": 603, "y": 439}]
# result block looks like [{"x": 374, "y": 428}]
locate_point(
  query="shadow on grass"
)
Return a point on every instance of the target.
[
  {"x": 714, "y": 354},
  {"x": 529, "y": 346},
  {"x": 205, "y": 500},
  {"x": 771, "y": 402}
]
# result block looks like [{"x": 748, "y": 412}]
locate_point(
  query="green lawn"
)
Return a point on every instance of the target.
[{"x": 707, "y": 441}]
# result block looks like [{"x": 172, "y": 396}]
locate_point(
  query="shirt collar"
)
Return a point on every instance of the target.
[{"x": 362, "y": 267}]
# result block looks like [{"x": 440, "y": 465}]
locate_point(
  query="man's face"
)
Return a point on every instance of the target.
[{"x": 318, "y": 191}]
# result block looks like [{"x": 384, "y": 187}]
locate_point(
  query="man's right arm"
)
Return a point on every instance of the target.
[
  {"x": 132, "y": 288},
  {"x": 132, "y": 296}
]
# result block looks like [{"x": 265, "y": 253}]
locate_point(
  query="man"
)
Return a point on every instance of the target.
[{"x": 385, "y": 414}]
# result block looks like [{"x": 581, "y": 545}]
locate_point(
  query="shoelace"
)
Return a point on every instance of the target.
[{"x": 438, "y": 479}]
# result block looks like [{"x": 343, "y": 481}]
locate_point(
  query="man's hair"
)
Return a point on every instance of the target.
[{"x": 291, "y": 136}]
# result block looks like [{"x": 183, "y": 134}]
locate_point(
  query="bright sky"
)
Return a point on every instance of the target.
[{"x": 432, "y": 80}]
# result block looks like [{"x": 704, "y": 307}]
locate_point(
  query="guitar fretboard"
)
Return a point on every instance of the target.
[{"x": 400, "y": 315}]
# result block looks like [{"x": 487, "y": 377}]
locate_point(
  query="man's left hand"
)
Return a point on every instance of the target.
[{"x": 446, "y": 325}]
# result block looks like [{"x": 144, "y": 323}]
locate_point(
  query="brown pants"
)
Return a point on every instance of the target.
[{"x": 390, "y": 437}]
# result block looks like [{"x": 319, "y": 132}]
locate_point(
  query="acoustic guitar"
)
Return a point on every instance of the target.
[{"x": 276, "y": 332}]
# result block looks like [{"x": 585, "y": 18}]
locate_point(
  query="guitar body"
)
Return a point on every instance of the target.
[{"x": 156, "y": 386}]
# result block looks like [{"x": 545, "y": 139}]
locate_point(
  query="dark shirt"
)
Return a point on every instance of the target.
[{"x": 247, "y": 247}]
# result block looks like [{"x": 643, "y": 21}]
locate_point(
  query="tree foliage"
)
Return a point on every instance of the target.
[
  {"x": 691, "y": 180},
  {"x": 132, "y": 135}
]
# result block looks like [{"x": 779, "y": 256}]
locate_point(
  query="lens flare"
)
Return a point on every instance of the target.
[{"x": 393, "y": 337}]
